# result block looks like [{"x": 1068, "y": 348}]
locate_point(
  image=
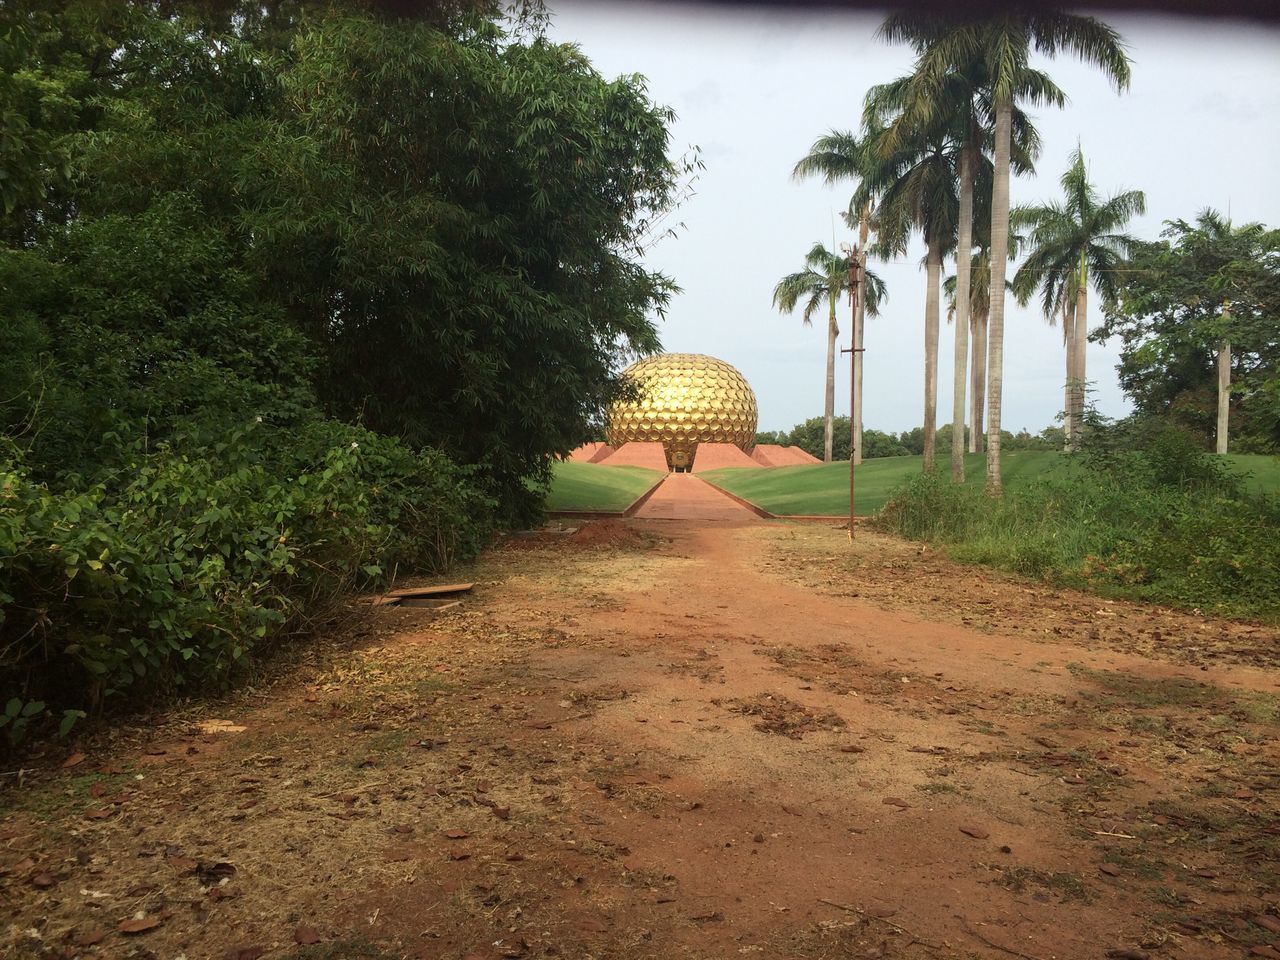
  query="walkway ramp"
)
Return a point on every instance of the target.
[
  {"x": 634, "y": 454},
  {"x": 713, "y": 456},
  {"x": 683, "y": 496}
]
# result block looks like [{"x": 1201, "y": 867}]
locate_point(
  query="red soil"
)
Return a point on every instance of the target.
[
  {"x": 586, "y": 453},
  {"x": 649, "y": 455},
  {"x": 774, "y": 455},
  {"x": 749, "y": 740},
  {"x": 713, "y": 456}
]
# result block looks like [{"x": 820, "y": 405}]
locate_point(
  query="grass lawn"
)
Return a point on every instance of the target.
[
  {"x": 1263, "y": 472},
  {"x": 823, "y": 489},
  {"x": 589, "y": 486}
]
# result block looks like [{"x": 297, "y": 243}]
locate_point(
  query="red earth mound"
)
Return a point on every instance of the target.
[
  {"x": 586, "y": 453},
  {"x": 607, "y": 532},
  {"x": 713, "y": 456},
  {"x": 649, "y": 455},
  {"x": 776, "y": 455}
]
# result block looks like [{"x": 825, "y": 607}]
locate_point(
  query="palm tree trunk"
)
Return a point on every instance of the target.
[
  {"x": 975, "y": 429},
  {"x": 999, "y": 262},
  {"x": 830, "y": 408},
  {"x": 1080, "y": 329},
  {"x": 964, "y": 253},
  {"x": 979, "y": 392},
  {"x": 860, "y": 329},
  {"x": 1224, "y": 393},
  {"x": 859, "y": 308},
  {"x": 1069, "y": 340},
  {"x": 933, "y": 277}
]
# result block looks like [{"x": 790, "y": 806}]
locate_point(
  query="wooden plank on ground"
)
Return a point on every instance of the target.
[{"x": 440, "y": 591}]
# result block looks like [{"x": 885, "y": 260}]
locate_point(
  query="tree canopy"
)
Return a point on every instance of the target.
[
  {"x": 1201, "y": 284},
  {"x": 429, "y": 226}
]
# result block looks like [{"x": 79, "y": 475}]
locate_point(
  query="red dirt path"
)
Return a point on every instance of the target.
[{"x": 729, "y": 740}]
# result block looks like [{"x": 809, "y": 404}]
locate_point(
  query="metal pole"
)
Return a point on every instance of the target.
[{"x": 855, "y": 280}]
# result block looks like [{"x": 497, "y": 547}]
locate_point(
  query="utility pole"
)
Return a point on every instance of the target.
[{"x": 855, "y": 283}]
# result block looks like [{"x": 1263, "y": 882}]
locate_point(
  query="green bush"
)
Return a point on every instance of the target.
[
  {"x": 169, "y": 573},
  {"x": 1166, "y": 524}
]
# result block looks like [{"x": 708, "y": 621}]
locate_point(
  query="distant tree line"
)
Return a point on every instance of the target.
[{"x": 810, "y": 436}]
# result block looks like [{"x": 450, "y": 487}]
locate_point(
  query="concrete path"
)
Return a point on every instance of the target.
[{"x": 683, "y": 496}]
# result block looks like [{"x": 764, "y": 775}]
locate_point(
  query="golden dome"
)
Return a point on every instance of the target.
[{"x": 685, "y": 399}]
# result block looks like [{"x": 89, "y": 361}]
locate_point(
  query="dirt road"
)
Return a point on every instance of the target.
[{"x": 704, "y": 740}]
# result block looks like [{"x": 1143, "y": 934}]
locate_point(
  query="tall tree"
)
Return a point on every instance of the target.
[
  {"x": 914, "y": 179},
  {"x": 478, "y": 293},
  {"x": 1002, "y": 43},
  {"x": 1075, "y": 244},
  {"x": 824, "y": 279},
  {"x": 1203, "y": 297},
  {"x": 979, "y": 310},
  {"x": 960, "y": 100},
  {"x": 837, "y": 156}
]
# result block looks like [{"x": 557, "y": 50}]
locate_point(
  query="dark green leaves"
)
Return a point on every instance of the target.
[{"x": 1206, "y": 282}]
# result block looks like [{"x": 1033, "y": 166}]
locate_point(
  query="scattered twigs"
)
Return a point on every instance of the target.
[
  {"x": 1108, "y": 833},
  {"x": 973, "y": 931},
  {"x": 885, "y": 920},
  {"x": 356, "y": 789}
]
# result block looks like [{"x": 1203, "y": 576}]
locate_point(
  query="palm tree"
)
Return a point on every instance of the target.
[
  {"x": 979, "y": 310},
  {"x": 914, "y": 179},
  {"x": 1073, "y": 244},
  {"x": 959, "y": 98},
  {"x": 1002, "y": 44},
  {"x": 825, "y": 278},
  {"x": 841, "y": 156}
]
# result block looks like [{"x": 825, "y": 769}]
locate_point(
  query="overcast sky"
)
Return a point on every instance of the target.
[{"x": 753, "y": 88}]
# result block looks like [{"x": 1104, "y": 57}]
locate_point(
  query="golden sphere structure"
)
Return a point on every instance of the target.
[{"x": 684, "y": 399}]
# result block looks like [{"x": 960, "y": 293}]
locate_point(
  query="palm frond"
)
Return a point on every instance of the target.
[
  {"x": 795, "y": 286},
  {"x": 1120, "y": 209},
  {"x": 836, "y": 156},
  {"x": 1091, "y": 40}
]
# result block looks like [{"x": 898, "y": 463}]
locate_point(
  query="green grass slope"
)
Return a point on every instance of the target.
[
  {"x": 589, "y": 486},
  {"x": 1262, "y": 472},
  {"x": 823, "y": 489}
]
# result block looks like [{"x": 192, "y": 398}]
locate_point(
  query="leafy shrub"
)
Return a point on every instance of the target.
[
  {"x": 1167, "y": 523},
  {"x": 169, "y": 573}
]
